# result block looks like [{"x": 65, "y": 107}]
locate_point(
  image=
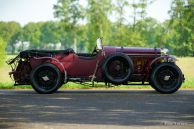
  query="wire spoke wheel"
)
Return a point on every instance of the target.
[
  {"x": 46, "y": 78},
  {"x": 166, "y": 78}
]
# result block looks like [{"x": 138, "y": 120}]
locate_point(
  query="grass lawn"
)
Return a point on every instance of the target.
[{"x": 186, "y": 64}]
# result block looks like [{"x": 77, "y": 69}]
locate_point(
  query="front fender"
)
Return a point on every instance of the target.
[{"x": 164, "y": 58}]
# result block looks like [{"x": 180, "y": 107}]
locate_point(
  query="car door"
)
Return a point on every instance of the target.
[{"x": 83, "y": 66}]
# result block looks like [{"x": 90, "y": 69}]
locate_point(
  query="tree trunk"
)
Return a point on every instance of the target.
[
  {"x": 12, "y": 49},
  {"x": 75, "y": 44},
  {"x": 134, "y": 14},
  {"x": 22, "y": 47}
]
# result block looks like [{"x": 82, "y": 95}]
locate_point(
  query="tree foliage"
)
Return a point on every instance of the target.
[
  {"x": 182, "y": 27},
  {"x": 80, "y": 25},
  {"x": 49, "y": 33},
  {"x": 2, "y": 51},
  {"x": 8, "y": 31},
  {"x": 69, "y": 12},
  {"x": 98, "y": 22}
]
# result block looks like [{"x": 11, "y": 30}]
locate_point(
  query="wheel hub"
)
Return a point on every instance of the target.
[
  {"x": 45, "y": 78},
  {"x": 118, "y": 67},
  {"x": 166, "y": 78}
]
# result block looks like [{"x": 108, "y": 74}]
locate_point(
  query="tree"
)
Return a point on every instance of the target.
[
  {"x": 31, "y": 33},
  {"x": 2, "y": 51},
  {"x": 98, "y": 22},
  {"x": 7, "y": 31},
  {"x": 139, "y": 10},
  {"x": 134, "y": 39},
  {"x": 49, "y": 33},
  {"x": 143, "y": 4},
  {"x": 15, "y": 38},
  {"x": 181, "y": 26},
  {"x": 70, "y": 12},
  {"x": 119, "y": 8},
  {"x": 124, "y": 33},
  {"x": 119, "y": 29},
  {"x": 151, "y": 31}
]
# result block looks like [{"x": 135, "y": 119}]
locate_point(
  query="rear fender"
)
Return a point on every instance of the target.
[{"x": 53, "y": 61}]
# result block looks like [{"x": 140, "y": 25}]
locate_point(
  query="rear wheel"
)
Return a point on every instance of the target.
[
  {"x": 166, "y": 78},
  {"x": 46, "y": 78},
  {"x": 118, "y": 68}
]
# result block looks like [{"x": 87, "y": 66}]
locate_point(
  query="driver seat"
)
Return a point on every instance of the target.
[{"x": 87, "y": 56}]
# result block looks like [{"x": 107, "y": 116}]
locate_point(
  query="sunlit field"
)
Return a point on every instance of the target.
[{"x": 186, "y": 64}]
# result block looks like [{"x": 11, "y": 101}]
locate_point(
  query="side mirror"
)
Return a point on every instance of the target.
[{"x": 99, "y": 43}]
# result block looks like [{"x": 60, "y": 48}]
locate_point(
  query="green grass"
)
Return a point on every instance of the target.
[
  {"x": 186, "y": 64},
  {"x": 70, "y": 85},
  {"x": 10, "y": 85}
]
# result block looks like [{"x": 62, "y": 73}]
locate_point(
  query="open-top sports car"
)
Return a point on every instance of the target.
[{"x": 48, "y": 70}]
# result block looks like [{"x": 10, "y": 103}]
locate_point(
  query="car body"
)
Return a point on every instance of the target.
[{"x": 47, "y": 70}]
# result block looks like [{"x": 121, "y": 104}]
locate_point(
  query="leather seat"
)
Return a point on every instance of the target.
[
  {"x": 41, "y": 53},
  {"x": 86, "y": 56}
]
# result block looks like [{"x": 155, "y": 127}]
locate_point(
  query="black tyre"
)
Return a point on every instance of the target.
[
  {"x": 117, "y": 68},
  {"x": 166, "y": 78},
  {"x": 46, "y": 78}
]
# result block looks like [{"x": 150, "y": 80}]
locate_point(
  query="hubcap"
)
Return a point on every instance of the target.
[
  {"x": 118, "y": 68},
  {"x": 46, "y": 78},
  {"x": 167, "y": 77}
]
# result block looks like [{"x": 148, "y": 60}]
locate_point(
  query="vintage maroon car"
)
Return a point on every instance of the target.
[{"x": 47, "y": 70}]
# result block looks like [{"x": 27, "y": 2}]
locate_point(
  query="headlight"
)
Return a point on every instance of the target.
[
  {"x": 164, "y": 51},
  {"x": 172, "y": 59}
]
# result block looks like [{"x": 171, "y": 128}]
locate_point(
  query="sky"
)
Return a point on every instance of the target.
[{"x": 24, "y": 11}]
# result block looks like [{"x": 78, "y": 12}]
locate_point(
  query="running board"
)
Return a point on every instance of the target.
[{"x": 78, "y": 79}]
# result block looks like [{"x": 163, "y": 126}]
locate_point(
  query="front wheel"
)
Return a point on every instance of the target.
[
  {"x": 166, "y": 78},
  {"x": 46, "y": 78}
]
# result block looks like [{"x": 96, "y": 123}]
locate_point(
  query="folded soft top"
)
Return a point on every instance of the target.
[{"x": 31, "y": 53}]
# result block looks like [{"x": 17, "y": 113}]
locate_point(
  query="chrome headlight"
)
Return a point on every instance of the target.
[
  {"x": 164, "y": 51},
  {"x": 172, "y": 59}
]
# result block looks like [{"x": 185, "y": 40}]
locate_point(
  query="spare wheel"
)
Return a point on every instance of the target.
[{"x": 117, "y": 68}]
